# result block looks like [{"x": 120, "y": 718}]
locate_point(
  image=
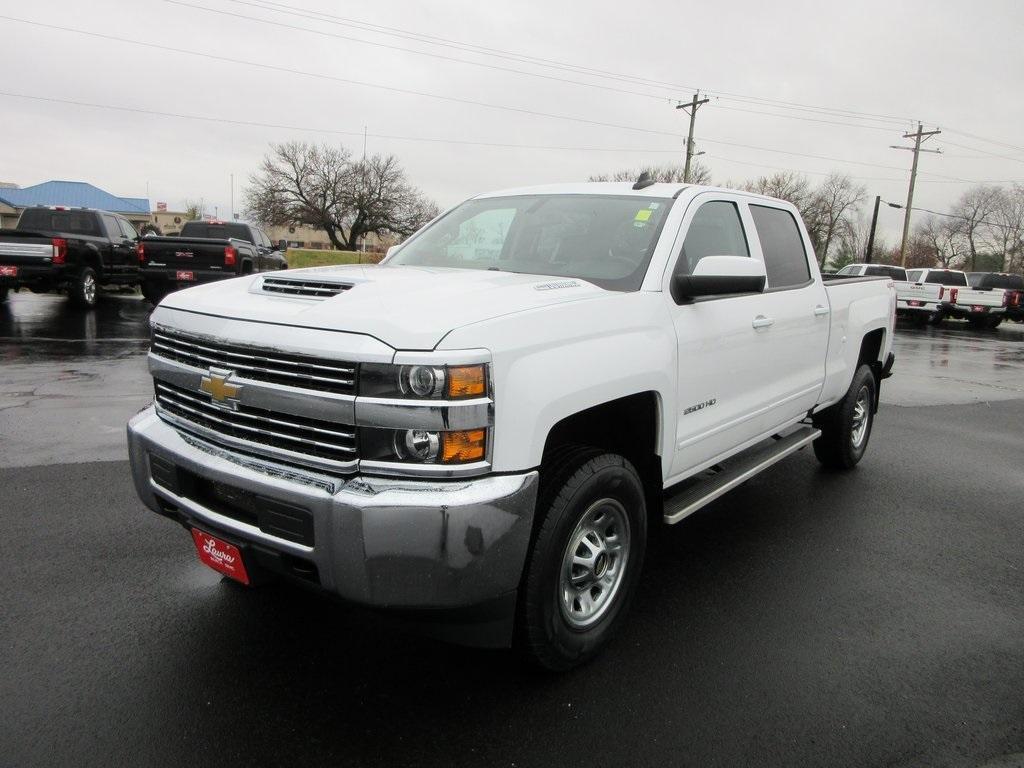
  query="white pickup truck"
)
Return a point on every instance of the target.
[
  {"x": 922, "y": 297},
  {"x": 480, "y": 430},
  {"x": 990, "y": 298}
]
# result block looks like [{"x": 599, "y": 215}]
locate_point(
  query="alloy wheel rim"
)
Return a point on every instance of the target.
[
  {"x": 89, "y": 288},
  {"x": 594, "y": 563},
  {"x": 861, "y": 417}
]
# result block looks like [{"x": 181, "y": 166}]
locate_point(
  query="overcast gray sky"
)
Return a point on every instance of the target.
[{"x": 955, "y": 65}]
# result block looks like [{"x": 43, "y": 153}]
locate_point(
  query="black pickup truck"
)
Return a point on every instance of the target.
[
  {"x": 206, "y": 251},
  {"x": 70, "y": 249}
]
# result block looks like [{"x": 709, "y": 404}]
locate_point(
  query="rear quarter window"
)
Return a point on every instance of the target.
[{"x": 785, "y": 259}]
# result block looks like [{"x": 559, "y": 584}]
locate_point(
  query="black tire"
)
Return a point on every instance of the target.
[
  {"x": 993, "y": 321},
  {"x": 84, "y": 289},
  {"x": 4, "y": 290},
  {"x": 581, "y": 484},
  {"x": 936, "y": 318},
  {"x": 839, "y": 446},
  {"x": 153, "y": 293}
]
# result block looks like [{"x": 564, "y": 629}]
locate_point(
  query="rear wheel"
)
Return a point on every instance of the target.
[
  {"x": 846, "y": 426},
  {"x": 584, "y": 563},
  {"x": 4, "y": 290},
  {"x": 84, "y": 288}
]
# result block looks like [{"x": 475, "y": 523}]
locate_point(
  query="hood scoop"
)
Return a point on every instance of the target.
[{"x": 305, "y": 287}]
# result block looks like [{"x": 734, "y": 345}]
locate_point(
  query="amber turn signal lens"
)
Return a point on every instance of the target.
[
  {"x": 466, "y": 381},
  {"x": 463, "y": 447}
]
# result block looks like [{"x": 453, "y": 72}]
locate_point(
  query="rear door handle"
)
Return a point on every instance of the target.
[
  {"x": 820, "y": 310},
  {"x": 762, "y": 322}
]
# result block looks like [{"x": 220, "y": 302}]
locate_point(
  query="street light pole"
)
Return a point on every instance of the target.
[{"x": 871, "y": 237}]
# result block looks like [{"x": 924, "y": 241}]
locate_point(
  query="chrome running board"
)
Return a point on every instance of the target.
[{"x": 734, "y": 472}]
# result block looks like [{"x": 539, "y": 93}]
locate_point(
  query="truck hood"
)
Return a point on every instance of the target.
[{"x": 405, "y": 307}]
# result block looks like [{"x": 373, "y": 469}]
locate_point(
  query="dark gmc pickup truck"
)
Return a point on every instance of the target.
[
  {"x": 204, "y": 252},
  {"x": 71, "y": 249}
]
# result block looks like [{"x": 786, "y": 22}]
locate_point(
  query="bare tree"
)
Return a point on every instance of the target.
[
  {"x": 1005, "y": 227},
  {"x": 942, "y": 237},
  {"x": 699, "y": 174},
  {"x": 832, "y": 210},
  {"x": 972, "y": 211},
  {"x": 193, "y": 210},
  {"x": 319, "y": 186}
]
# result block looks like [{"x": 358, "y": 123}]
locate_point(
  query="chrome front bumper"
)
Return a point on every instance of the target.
[{"x": 388, "y": 542}]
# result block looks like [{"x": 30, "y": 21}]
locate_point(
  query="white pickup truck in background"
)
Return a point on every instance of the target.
[
  {"x": 991, "y": 298},
  {"x": 481, "y": 429},
  {"x": 921, "y": 298}
]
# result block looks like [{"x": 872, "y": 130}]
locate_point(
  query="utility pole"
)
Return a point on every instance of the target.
[
  {"x": 871, "y": 237},
  {"x": 918, "y": 136},
  {"x": 693, "y": 106}
]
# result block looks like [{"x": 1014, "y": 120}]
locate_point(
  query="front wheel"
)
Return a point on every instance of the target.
[
  {"x": 846, "y": 426},
  {"x": 585, "y": 561},
  {"x": 84, "y": 288}
]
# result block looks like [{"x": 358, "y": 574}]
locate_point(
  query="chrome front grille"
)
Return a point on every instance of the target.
[
  {"x": 312, "y": 289},
  {"x": 257, "y": 364},
  {"x": 304, "y": 437}
]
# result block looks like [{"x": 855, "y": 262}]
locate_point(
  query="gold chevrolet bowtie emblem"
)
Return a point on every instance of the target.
[{"x": 216, "y": 385}]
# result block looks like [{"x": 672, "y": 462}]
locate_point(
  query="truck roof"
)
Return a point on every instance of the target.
[{"x": 658, "y": 189}]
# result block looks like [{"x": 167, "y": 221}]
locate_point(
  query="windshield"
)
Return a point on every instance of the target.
[{"x": 604, "y": 239}]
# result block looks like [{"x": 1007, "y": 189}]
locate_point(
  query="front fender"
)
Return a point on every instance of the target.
[{"x": 553, "y": 362}]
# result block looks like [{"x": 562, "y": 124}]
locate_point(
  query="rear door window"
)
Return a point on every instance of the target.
[
  {"x": 849, "y": 269},
  {"x": 716, "y": 230},
  {"x": 112, "y": 227},
  {"x": 785, "y": 259},
  {"x": 914, "y": 276},
  {"x": 128, "y": 230}
]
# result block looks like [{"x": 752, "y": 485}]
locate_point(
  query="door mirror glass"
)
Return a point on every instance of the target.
[
  {"x": 719, "y": 276},
  {"x": 282, "y": 245}
]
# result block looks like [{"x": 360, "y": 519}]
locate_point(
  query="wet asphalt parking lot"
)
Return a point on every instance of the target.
[{"x": 874, "y": 618}]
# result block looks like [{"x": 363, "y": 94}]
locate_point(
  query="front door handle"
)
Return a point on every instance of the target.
[
  {"x": 820, "y": 310},
  {"x": 762, "y": 322}
]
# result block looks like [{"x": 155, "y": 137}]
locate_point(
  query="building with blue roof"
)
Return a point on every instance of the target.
[{"x": 73, "y": 194}]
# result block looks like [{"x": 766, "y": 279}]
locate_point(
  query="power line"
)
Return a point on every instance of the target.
[
  {"x": 269, "y": 5},
  {"x": 333, "y": 78},
  {"x": 953, "y": 216},
  {"x": 442, "y": 57},
  {"x": 278, "y": 126}
]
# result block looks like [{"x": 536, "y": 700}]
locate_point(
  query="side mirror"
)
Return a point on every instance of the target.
[
  {"x": 282, "y": 245},
  {"x": 720, "y": 276}
]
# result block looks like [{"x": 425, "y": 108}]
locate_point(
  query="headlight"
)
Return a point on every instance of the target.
[
  {"x": 427, "y": 382},
  {"x": 421, "y": 380},
  {"x": 421, "y": 446}
]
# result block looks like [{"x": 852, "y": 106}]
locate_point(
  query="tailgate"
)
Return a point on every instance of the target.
[
  {"x": 185, "y": 253},
  {"x": 979, "y": 297},
  {"x": 14, "y": 250},
  {"x": 918, "y": 292}
]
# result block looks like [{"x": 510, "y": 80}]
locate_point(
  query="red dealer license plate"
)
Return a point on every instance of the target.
[
  {"x": 221, "y": 556},
  {"x": 186, "y": 275},
  {"x": 976, "y": 308},
  {"x": 6, "y": 271},
  {"x": 913, "y": 303}
]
